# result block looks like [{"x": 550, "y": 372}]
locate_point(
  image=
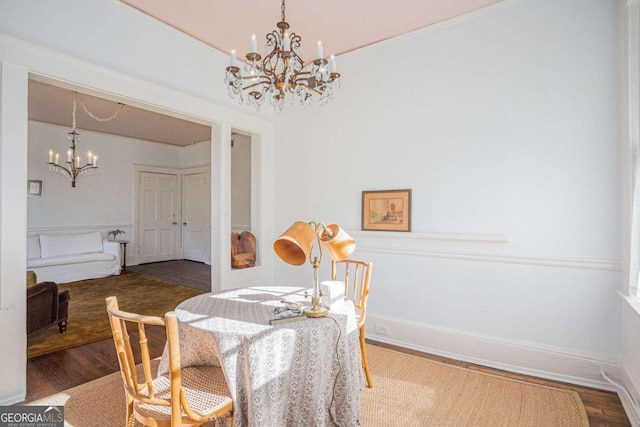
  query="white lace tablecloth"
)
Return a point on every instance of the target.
[{"x": 304, "y": 373}]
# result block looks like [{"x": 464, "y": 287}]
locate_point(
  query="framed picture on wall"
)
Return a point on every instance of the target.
[
  {"x": 386, "y": 210},
  {"x": 34, "y": 188}
]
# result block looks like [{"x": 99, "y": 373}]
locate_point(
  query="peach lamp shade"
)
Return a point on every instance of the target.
[
  {"x": 338, "y": 244},
  {"x": 295, "y": 244}
]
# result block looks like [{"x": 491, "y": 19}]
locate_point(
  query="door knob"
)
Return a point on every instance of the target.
[
  {"x": 184, "y": 223},
  {"x": 174, "y": 223}
]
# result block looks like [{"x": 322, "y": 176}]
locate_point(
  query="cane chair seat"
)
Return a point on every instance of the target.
[
  {"x": 205, "y": 389},
  {"x": 189, "y": 396},
  {"x": 357, "y": 280}
]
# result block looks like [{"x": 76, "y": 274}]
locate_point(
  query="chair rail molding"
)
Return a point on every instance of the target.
[
  {"x": 71, "y": 228},
  {"x": 458, "y": 237},
  {"x": 546, "y": 261}
]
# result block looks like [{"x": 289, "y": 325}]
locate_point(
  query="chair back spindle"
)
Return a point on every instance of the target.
[
  {"x": 357, "y": 280},
  {"x": 162, "y": 401},
  {"x": 138, "y": 386}
]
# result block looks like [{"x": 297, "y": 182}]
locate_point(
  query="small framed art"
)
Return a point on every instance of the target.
[
  {"x": 34, "y": 187},
  {"x": 386, "y": 210}
]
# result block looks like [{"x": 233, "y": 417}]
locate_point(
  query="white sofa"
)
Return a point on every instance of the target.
[{"x": 62, "y": 258}]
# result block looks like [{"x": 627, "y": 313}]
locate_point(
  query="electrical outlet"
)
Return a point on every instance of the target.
[{"x": 382, "y": 330}]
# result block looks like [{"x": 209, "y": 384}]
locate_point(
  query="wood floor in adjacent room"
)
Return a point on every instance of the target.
[
  {"x": 54, "y": 372},
  {"x": 188, "y": 273}
]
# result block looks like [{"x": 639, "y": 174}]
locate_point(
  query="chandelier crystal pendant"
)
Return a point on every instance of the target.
[
  {"x": 73, "y": 170},
  {"x": 281, "y": 72}
]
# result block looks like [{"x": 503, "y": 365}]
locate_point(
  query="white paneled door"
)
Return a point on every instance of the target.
[
  {"x": 159, "y": 226},
  {"x": 195, "y": 217}
]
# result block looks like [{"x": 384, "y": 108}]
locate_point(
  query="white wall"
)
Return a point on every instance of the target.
[
  {"x": 241, "y": 183},
  {"x": 630, "y": 319},
  {"x": 110, "y": 48},
  {"x": 121, "y": 38},
  {"x": 196, "y": 155},
  {"x": 630, "y": 354},
  {"x": 504, "y": 123},
  {"x": 13, "y": 228},
  {"x": 102, "y": 200},
  {"x": 105, "y": 200}
]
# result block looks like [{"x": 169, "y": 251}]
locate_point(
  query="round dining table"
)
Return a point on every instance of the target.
[{"x": 304, "y": 372}]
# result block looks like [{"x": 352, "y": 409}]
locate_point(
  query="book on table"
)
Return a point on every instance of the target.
[
  {"x": 281, "y": 320},
  {"x": 286, "y": 315}
]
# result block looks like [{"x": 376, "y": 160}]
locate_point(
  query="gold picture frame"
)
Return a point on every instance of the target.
[{"x": 386, "y": 210}]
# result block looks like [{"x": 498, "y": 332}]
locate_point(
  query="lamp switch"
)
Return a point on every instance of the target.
[{"x": 382, "y": 330}]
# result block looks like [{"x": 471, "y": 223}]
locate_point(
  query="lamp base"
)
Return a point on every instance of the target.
[{"x": 317, "y": 312}]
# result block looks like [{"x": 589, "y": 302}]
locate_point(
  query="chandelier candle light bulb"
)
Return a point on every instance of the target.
[
  {"x": 233, "y": 58},
  {"x": 319, "y": 50}
]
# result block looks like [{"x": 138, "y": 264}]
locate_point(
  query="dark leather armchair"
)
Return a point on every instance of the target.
[{"x": 46, "y": 307}]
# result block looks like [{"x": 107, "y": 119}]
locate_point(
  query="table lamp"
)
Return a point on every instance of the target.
[{"x": 295, "y": 247}]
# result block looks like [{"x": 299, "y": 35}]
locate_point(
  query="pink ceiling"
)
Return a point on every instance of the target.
[{"x": 342, "y": 25}]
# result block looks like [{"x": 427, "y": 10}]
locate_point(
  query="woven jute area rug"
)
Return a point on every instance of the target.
[
  {"x": 408, "y": 391},
  {"x": 412, "y": 391}
]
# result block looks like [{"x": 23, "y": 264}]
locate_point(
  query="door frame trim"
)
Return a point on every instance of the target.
[{"x": 192, "y": 171}]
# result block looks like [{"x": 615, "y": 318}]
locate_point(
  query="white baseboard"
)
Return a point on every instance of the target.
[
  {"x": 12, "y": 400},
  {"x": 524, "y": 358},
  {"x": 629, "y": 397},
  {"x": 633, "y": 413}
]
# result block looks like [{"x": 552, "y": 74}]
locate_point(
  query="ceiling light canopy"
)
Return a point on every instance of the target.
[{"x": 282, "y": 72}]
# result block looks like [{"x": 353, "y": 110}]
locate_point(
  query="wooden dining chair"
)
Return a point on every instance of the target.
[
  {"x": 357, "y": 278},
  {"x": 184, "y": 397}
]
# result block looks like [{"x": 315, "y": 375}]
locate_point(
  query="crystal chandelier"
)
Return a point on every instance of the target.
[
  {"x": 281, "y": 72},
  {"x": 73, "y": 171}
]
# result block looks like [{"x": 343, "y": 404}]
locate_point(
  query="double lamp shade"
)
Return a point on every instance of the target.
[{"x": 294, "y": 246}]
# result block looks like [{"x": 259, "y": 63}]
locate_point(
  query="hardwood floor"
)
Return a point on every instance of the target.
[
  {"x": 64, "y": 369},
  {"x": 58, "y": 371},
  {"x": 188, "y": 273}
]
